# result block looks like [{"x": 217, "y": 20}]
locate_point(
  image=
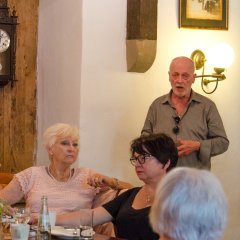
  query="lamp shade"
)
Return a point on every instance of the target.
[{"x": 220, "y": 55}]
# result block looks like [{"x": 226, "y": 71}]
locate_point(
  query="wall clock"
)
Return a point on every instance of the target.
[{"x": 7, "y": 44}]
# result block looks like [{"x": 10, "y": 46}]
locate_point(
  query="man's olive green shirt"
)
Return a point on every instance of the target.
[{"x": 200, "y": 121}]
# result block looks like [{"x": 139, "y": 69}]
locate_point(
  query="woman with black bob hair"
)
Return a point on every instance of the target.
[
  {"x": 152, "y": 156},
  {"x": 160, "y": 146}
]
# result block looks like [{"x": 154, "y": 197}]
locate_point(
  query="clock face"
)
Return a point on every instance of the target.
[{"x": 4, "y": 40}]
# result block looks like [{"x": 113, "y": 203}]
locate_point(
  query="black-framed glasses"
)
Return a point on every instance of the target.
[
  {"x": 139, "y": 159},
  {"x": 176, "y": 128}
]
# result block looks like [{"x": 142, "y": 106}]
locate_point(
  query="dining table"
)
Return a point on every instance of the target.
[
  {"x": 61, "y": 233},
  {"x": 55, "y": 235},
  {"x": 104, "y": 237},
  {"x": 95, "y": 237}
]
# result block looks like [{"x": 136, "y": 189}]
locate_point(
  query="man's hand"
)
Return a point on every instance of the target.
[{"x": 186, "y": 147}]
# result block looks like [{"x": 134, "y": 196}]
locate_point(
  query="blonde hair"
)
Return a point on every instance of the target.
[{"x": 59, "y": 130}]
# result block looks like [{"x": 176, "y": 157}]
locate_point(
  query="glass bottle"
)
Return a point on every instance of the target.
[
  {"x": 1, "y": 228},
  {"x": 44, "y": 228},
  {"x": 1, "y": 220}
]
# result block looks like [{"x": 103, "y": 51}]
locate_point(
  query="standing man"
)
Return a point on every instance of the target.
[{"x": 191, "y": 119}]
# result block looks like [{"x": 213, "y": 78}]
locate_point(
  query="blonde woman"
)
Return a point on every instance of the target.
[{"x": 66, "y": 187}]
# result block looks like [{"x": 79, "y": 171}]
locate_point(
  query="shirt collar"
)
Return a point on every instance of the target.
[{"x": 195, "y": 97}]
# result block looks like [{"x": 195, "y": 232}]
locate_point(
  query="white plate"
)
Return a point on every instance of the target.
[{"x": 64, "y": 232}]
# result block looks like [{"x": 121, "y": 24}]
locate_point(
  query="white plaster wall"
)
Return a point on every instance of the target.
[
  {"x": 59, "y": 66},
  {"x": 87, "y": 46}
]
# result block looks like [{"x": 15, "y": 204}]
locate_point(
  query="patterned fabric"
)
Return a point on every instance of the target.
[{"x": 62, "y": 196}]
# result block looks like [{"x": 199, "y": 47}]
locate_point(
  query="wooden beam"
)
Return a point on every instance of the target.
[{"x": 141, "y": 42}]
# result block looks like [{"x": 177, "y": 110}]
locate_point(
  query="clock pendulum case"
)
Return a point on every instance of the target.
[{"x": 7, "y": 44}]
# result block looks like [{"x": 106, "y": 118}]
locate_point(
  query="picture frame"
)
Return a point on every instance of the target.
[{"x": 203, "y": 14}]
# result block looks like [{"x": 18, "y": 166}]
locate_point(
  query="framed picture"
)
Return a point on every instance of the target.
[{"x": 205, "y": 14}]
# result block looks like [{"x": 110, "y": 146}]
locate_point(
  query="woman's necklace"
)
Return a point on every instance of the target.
[
  {"x": 148, "y": 197},
  {"x": 62, "y": 178}
]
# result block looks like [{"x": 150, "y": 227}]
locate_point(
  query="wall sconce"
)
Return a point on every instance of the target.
[{"x": 220, "y": 56}]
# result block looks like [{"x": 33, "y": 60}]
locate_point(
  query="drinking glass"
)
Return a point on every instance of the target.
[
  {"x": 86, "y": 228},
  {"x": 19, "y": 231},
  {"x": 6, "y": 221},
  {"x": 21, "y": 214}
]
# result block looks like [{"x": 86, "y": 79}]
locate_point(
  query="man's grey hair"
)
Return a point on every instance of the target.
[{"x": 190, "y": 204}]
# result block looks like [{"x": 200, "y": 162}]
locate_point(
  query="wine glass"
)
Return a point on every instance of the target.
[{"x": 21, "y": 214}]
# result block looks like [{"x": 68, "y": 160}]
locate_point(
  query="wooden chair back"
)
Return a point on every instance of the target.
[{"x": 5, "y": 178}]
